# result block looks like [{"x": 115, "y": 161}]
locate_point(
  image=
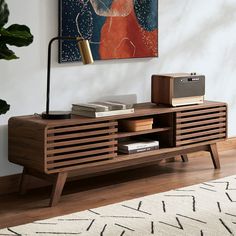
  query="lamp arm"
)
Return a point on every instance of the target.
[{"x": 59, "y": 38}]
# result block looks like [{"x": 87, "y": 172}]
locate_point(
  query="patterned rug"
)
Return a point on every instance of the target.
[{"x": 205, "y": 209}]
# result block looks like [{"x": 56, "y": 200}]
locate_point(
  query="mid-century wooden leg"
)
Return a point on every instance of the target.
[
  {"x": 58, "y": 187},
  {"x": 184, "y": 157},
  {"x": 24, "y": 180},
  {"x": 214, "y": 155}
]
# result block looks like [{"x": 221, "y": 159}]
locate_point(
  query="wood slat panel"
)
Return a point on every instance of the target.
[
  {"x": 201, "y": 117},
  {"x": 68, "y": 164},
  {"x": 201, "y": 139},
  {"x": 79, "y": 141},
  {"x": 124, "y": 160},
  {"x": 203, "y": 122},
  {"x": 81, "y": 147},
  {"x": 202, "y": 111},
  {"x": 81, "y": 127},
  {"x": 204, "y": 127},
  {"x": 203, "y": 133},
  {"x": 82, "y": 134},
  {"x": 201, "y": 125},
  {"x": 74, "y": 145},
  {"x": 81, "y": 154}
]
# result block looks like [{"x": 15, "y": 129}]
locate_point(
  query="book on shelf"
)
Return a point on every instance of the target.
[
  {"x": 98, "y": 106},
  {"x": 125, "y": 105},
  {"x": 89, "y": 107},
  {"x": 115, "y": 105},
  {"x": 132, "y": 151},
  {"x": 137, "y": 144},
  {"x": 102, "y": 113}
]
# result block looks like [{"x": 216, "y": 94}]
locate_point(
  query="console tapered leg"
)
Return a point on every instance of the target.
[
  {"x": 214, "y": 155},
  {"x": 184, "y": 157},
  {"x": 58, "y": 187},
  {"x": 24, "y": 180}
]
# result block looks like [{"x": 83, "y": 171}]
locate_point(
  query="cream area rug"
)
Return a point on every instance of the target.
[{"x": 205, "y": 209}]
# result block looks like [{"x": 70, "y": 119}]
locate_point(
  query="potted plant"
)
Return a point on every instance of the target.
[{"x": 14, "y": 35}]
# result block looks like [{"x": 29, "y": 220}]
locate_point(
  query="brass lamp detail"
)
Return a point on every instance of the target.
[
  {"x": 85, "y": 51},
  {"x": 87, "y": 58}
]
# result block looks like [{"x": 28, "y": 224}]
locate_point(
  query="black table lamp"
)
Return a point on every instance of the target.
[{"x": 87, "y": 58}]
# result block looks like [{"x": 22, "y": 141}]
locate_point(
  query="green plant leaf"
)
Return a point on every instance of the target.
[
  {"x": 4, "y": 13},
  {"x": 4, "y": 107},
  {"x": 6, "y": 53},
  {"x": 16, "y": 35}
]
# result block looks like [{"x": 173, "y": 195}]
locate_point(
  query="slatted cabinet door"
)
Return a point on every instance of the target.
[
  {"x": 200, "y": 125},
  {"x": 69, "y": 146}
]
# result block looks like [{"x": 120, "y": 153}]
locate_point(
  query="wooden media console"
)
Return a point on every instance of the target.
[{"x": 51, "y": 149}]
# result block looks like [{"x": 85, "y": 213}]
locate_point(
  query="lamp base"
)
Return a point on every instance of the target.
[{"x": 56, "y": 115}]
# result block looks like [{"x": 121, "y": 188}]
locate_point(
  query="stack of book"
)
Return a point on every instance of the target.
[
  {"x": 132, "y": 146},
  {"x": 101, "y": 109},
  {"x": 136, "y": 124}
]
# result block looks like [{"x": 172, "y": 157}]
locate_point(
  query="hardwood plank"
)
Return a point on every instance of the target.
[
  {"x": 198, "y": 112},
  {"x": 73, "y": 128},
  {"x": 81, "y": 147},
  {"x": 81, "y": 154},
  {"x": 81, "y": 135},
  {"x": 200, "y": 128},
  {"x": 200, "y": 117},
  {"x": 82, "y": 160},
  {"x": 202, "y": 122},
  {"x": 201, "y": 139},
  {"x": 81, "y": 141},
  {"x": 198, "y": 134},
  {"x": 76, "y": 164}
]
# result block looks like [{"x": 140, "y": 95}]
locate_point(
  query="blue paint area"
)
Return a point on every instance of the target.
[
  {"x": 95, "y": 37},
  {"x": 146, "y": 13},
  {"x": 79, "y": 18}
]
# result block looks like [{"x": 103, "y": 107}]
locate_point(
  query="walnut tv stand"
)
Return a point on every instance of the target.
[{"x": 50, "y": 149}]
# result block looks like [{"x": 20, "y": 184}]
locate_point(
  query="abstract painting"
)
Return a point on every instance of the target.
[{"x": 116, "y": 29}]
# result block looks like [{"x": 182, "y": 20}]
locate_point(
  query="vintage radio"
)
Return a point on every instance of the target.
[{"x": 178, "y": 89}]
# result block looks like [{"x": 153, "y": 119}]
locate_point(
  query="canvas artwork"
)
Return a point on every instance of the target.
[{"x": 116, "y": 29}]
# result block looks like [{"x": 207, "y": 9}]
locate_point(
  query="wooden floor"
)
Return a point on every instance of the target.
[{"x": 112, "y": 188}]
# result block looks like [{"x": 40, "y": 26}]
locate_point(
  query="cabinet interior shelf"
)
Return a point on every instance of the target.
[{"x": 136, "y": 133}]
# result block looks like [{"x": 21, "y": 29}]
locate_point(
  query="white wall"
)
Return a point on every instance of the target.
[{"x": 194, "y": 36}]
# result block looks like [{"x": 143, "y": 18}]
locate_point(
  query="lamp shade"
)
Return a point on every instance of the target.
[{"x": 85, "y": 51}]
